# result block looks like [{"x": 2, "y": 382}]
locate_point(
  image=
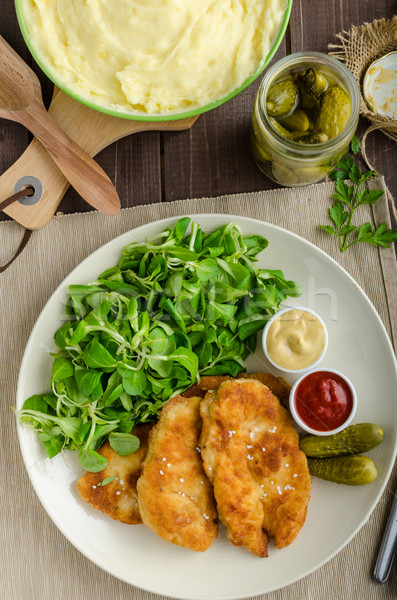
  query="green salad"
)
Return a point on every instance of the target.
[{"x": 182, "y": 304}]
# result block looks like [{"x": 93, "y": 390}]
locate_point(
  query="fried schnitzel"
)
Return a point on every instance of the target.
[
  {"x": 251, "y": 455},
  {"x": 175, "y": 497},
  {"x": 119, "y": 498},
  {"x": 279, "y": 386}
]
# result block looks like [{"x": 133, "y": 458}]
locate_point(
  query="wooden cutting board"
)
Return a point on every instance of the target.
[{"x": 89, "y": 128}]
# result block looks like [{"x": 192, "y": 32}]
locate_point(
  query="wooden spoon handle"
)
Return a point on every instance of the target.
[
  {"x": 84, "y": 174},
  {"x": 89, "y": 128}
]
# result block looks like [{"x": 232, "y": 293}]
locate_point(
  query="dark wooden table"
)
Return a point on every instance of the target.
[{"x": 214, "y": 157}]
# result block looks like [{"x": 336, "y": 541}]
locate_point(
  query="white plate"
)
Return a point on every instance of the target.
[{"x": 358, "y": 346}]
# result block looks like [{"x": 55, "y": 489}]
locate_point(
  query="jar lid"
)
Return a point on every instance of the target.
[{"x": 380, "y": 85}]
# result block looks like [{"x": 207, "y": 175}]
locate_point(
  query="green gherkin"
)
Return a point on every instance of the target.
[
  {"x": 282, "y": 98},
  {"x": 335, "y": 108},
  {"x": 311, "y": 85},
  {"x": 355, "y": 439},
  {"x": 348, "y": 470},
  {"x": 297, "y": 121},
  {"x": 280, "y": 129}
]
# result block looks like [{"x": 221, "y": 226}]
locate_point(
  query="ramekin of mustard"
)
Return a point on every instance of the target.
[{"x": 295, "y": 339}]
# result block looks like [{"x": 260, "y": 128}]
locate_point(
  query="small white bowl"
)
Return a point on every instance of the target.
[
  {"x": 264, "y": 339},
  {"x": 298, "y": 419}
]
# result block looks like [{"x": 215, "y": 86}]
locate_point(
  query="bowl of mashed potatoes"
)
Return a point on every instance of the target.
[{"x": 153, "y": 59}]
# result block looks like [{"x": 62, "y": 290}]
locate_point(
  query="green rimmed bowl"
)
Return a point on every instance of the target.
[{"x": 157, "y": 117}]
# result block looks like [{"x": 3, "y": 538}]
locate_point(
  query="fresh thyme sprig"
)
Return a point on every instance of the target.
[{"x": 350, "y": 194}]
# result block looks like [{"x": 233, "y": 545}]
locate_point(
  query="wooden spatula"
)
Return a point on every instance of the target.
[{"x": 21, "y": 101}]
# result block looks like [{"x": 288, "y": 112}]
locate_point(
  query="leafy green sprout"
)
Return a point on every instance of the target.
[
  {"x": 348, "y": 198},
  {"x": 106, "y": 481},
  {"x": 176, "y": 307}
]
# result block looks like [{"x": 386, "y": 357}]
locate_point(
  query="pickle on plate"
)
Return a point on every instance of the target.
[
  {"x": 335, "y": 107},
  {"x": 282, "y": 98},
  {"x": 355, "y": 439},
  {"x": 347, "y": 470}
]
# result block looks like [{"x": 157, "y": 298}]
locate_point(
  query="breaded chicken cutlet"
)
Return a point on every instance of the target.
[
  {"x": 251, "y": 455},
  {"x": 119, "y": 498},
  {"x": 175, "y": 497},
  {"x": 279, "y": 386}
]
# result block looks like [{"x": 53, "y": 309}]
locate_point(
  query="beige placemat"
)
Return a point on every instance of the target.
[{"x": 37, "y": 562}]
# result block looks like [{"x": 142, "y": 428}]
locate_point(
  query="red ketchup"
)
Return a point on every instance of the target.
[{"x": 323, "y": 400}]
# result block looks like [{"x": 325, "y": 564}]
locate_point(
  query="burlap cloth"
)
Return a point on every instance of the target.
[
  {"x": 358, "y": 48},
  {"x": 37, "y": 562}
]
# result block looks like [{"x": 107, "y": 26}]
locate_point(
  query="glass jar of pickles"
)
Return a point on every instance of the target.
[{"x": 305, "y": 114}]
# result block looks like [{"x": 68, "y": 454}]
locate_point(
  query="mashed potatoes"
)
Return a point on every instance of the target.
[{"x": 152, "y": 56}]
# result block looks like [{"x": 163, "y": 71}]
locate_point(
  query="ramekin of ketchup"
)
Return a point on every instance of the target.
[{"x": 323, "y": 401}]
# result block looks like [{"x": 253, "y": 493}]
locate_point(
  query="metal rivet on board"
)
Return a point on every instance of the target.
[{"x": 33, "y": 182}]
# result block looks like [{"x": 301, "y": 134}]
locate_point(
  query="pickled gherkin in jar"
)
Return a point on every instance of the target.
[
  {"x": 282, "y": 98},
  {"x": 334, "y": 113},
  {"x": 298, "y": 121},
  {"x": 305, "y": 114},
  {"x": 281, "y": 129},
  {"x": 310, "y": 102},
  {"x": 311, "y": 85},
  {"x": 289, "y": 176}
]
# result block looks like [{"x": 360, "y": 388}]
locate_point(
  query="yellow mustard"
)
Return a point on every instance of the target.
[
  {"x": 152, "y": 56},
  {"x": 295, "y": 339}
]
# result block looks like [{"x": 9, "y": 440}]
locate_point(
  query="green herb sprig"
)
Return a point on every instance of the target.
[
  {"x": 180, "y": 305},
  {"x": 350, "y": 195}
]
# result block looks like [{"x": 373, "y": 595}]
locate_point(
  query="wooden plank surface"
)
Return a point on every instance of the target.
[
  {"x": 214, "y": 157},
  {"x": 13, "y": 137}
]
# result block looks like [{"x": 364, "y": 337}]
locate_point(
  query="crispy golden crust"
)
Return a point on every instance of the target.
[
  {"x": 250, "y": 451},
  {"x": 279, "y": 386},
  {"x": 118, "y": 499},
  {"x": 175, "y": 497}
]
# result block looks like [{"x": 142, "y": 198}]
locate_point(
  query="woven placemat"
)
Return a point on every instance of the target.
[{"x": 37, "y": 562}]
